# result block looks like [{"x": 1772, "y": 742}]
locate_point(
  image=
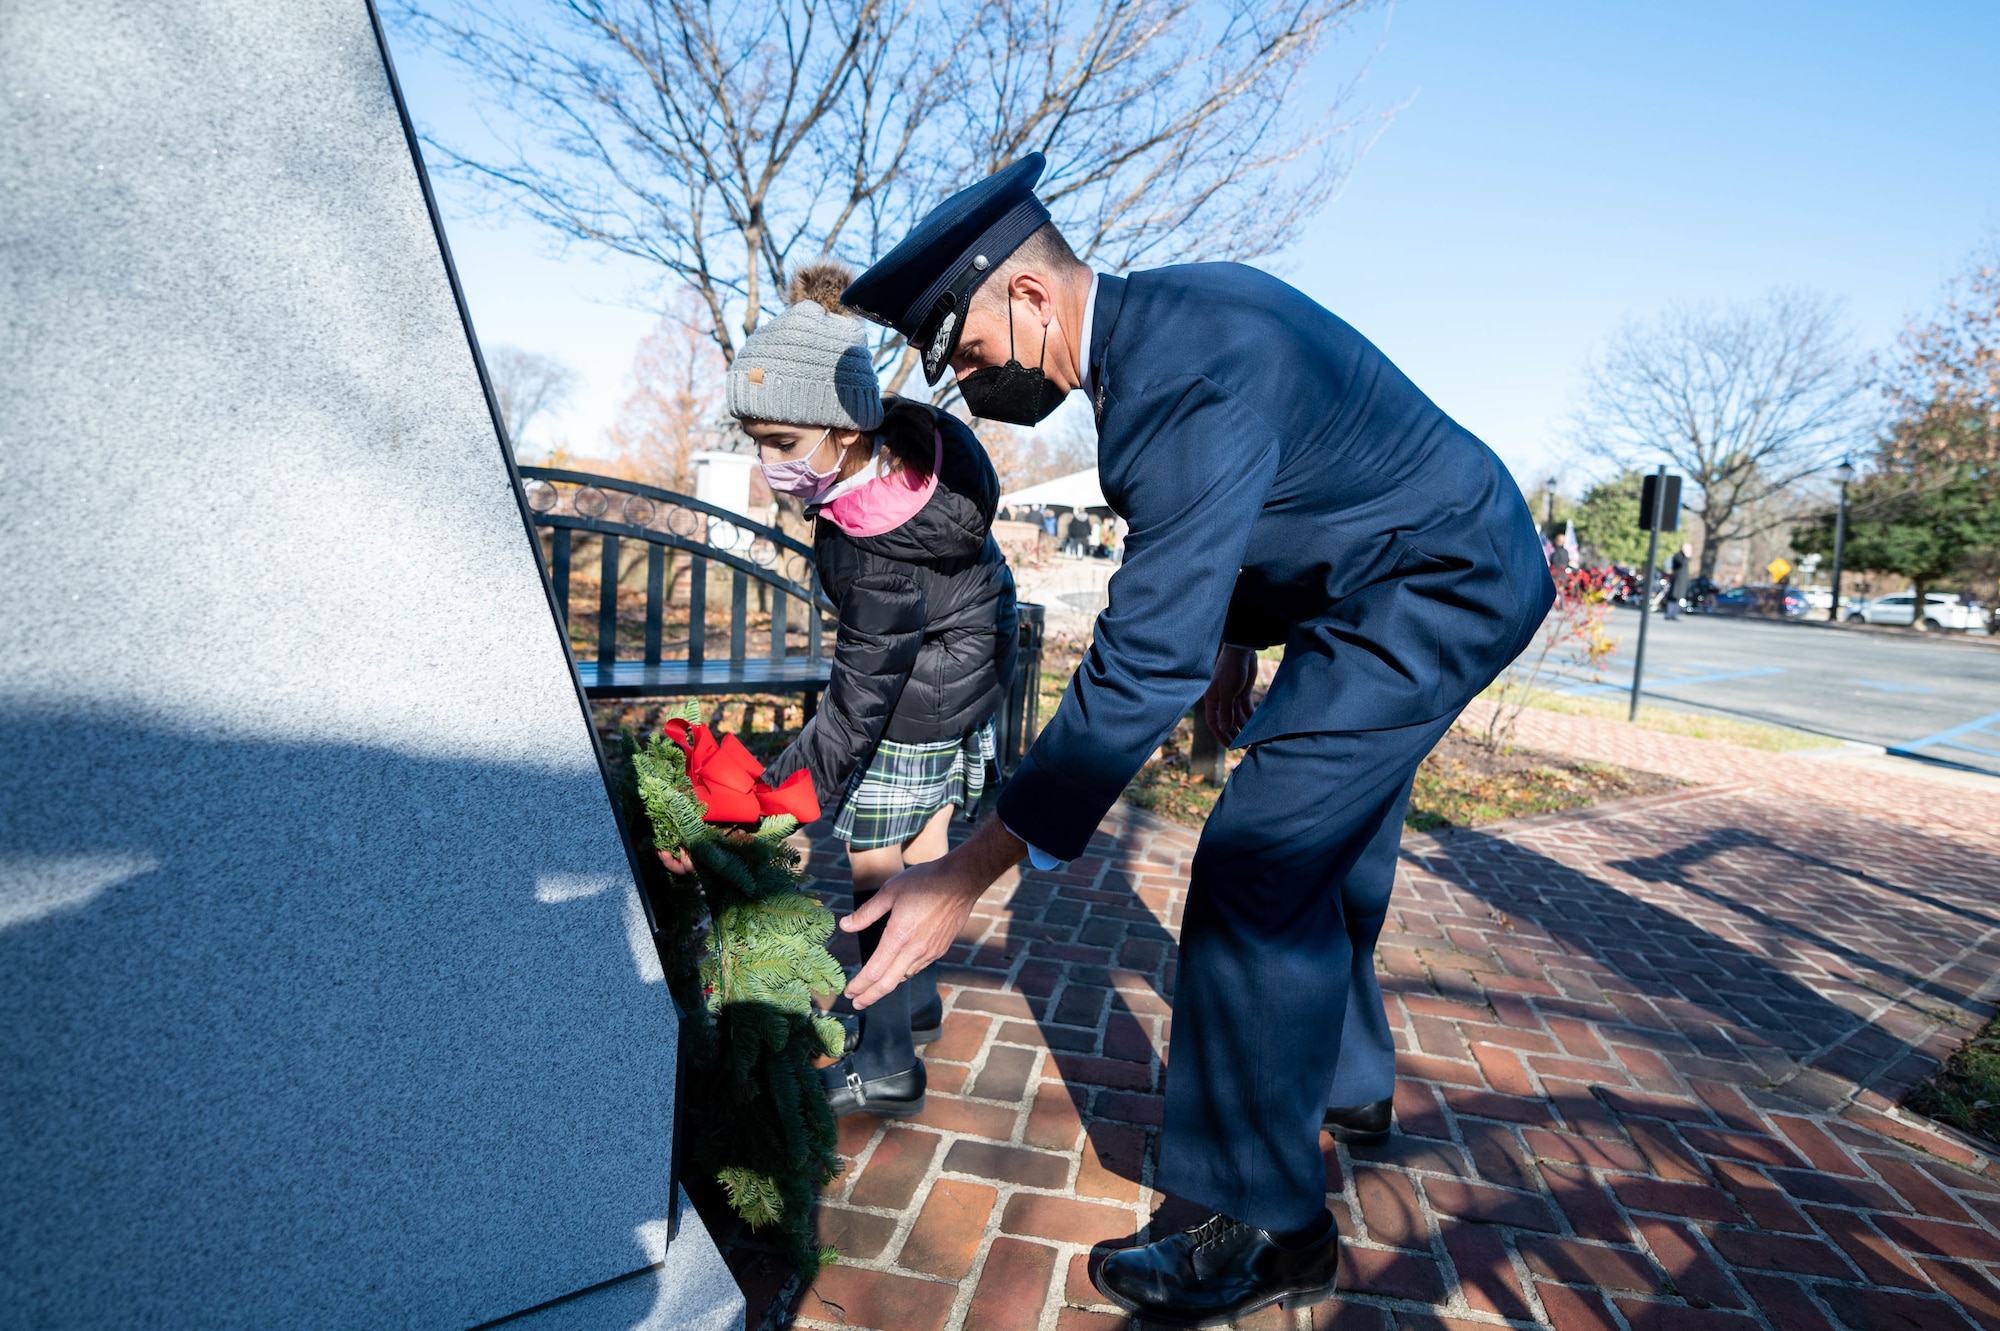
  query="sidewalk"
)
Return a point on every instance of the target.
[{"x": 1651, "y": 1053}]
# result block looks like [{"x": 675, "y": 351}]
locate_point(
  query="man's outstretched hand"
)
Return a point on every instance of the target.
[
  {"x": 1227, "y": 705},
  {"x": 926, "y": 906}
]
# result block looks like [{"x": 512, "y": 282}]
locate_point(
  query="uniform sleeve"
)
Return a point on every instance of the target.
[
  {"x": 1191, "y": 483},
  {"x": 882, "y": 618}
]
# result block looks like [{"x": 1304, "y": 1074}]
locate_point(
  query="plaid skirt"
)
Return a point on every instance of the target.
[{"x": 904, "y": 785}]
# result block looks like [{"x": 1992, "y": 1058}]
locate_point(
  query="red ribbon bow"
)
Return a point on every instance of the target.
[{"x": 728, "y": 781}]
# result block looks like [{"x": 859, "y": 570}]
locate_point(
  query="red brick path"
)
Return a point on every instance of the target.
[{"x": 1650, "y": 1055}]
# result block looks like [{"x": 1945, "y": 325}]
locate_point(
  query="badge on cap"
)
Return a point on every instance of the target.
[{"x": 924, "y": 286}]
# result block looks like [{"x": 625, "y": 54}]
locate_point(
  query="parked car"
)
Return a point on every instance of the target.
[
  {"x": 1770, "y": 602},
  {"x": 1941, "y": 611}
]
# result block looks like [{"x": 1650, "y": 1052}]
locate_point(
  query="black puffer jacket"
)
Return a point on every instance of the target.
[{"x": 927, "y": 630}]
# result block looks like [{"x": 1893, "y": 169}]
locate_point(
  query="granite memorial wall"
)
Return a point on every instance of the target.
[{"x": 326, "y": 998}]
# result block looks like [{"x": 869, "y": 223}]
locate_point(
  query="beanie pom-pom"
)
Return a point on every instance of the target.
[{"x": 821, "y": 283}]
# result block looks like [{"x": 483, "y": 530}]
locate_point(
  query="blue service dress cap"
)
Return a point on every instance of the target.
[{"x": 923, "y": 287}]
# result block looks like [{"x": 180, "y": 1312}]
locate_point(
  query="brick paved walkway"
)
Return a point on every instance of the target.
[{"x": 1650, "y": 1055}]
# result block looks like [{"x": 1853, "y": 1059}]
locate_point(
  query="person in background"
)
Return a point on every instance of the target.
[
  {"x": 902, "y": 498},
  {"x": 1677, "y": 581},
  {"x": 1078, "y": 533},
  {"x": 1560, "y": 559}
]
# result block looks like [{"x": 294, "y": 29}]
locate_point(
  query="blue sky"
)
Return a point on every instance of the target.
[{"x": 1554, "y": 169}]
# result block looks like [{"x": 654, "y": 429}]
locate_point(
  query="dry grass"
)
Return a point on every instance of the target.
[{"x": 1695, "y": 725}]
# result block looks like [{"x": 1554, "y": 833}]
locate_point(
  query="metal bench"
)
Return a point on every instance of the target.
[{"x": 616, "y": 511}]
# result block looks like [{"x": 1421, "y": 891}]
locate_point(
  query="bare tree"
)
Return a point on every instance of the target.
[
  {"x": 1022, "y": 458},
  {"x": 1746, "y": 403},
  {"x": 528, "y": 384},
  {"x": 672, "y": 408},
  {"x": 724, "y": 141},
  {"x": 1944, "y": 384}
]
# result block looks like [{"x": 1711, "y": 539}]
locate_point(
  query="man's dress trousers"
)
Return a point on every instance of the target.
[
  {"x": 1284, "y": 484},
  {"x": 1290, "y": 888}
]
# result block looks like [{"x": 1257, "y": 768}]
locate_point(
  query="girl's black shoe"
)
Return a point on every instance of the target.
[{"x": 898, "y": 1095}]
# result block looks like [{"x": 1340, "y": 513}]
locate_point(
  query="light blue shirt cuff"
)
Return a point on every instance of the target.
[{"x": 1037, "y": 857}]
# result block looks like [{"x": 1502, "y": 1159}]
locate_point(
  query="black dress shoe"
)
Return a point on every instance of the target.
[
  {"x": 927, "y": 1023},
  {"x": 1361, "y": 1125},
  {"x": 898, "y": 1095},
  {"x": 1219, "y": 1271}
]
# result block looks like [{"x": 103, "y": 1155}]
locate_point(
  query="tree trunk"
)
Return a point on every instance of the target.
[
  {"x": 1920, "y": 604},
  {"x": 1208, "y": 756},
  {"x": 1711, "y": 549}
]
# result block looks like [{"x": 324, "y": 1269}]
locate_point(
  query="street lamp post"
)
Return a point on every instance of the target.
[
  {"x": 1843, "y": 473},
  {"x": 1549, "y": 507}
]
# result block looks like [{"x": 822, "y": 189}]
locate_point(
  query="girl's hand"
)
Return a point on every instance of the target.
[{"x": 677, "y": 861}]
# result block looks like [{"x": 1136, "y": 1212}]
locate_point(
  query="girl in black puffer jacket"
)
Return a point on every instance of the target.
[{"x": 903, "y": 498}]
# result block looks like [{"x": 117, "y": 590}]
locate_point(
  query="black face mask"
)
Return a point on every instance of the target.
[{"x": 1012, "y": 393}]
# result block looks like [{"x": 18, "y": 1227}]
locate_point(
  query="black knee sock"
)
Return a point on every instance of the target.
[
  {"x": 885, "y": 1047},
  {"x": 924, "y": 991}
]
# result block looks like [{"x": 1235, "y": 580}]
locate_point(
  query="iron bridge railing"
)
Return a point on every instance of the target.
[{"x": 616, "y": 512}]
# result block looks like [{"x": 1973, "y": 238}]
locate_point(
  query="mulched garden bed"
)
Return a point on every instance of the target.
[
  {"x": 1965, "y": 1092},
  {"x": 1462, "y": 784}
]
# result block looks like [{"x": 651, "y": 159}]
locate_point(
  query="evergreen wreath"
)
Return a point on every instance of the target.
[{"x": 745, "y": 952}]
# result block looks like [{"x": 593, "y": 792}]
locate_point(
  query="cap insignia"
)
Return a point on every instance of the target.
[{"x": 943, "y": 338}]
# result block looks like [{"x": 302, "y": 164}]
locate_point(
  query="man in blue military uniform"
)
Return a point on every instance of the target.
[{"x": 1284, "y": 484}]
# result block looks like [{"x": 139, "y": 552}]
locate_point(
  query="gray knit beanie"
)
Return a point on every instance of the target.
[{"x": 809, "y": 365}]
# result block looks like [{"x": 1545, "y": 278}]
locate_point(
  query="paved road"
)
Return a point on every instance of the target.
[{"x": 1936, "y": 700}]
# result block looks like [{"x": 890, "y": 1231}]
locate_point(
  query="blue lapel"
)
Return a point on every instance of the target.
[{"x": 1110, "y": 299}]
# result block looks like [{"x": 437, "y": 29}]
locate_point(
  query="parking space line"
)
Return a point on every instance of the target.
[
  {"x": 1955, "y": 738},
  {"x": 1887, "y": 686}
]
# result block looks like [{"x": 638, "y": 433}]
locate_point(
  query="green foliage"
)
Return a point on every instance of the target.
[
  {"x": 1607, "y": 520},
  {"x": 746, "y": 953},
  {"x": 1922, "y": 525}
]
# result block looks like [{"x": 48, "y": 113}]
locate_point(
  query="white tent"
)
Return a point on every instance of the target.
[{"x": 1077, "y": 490}]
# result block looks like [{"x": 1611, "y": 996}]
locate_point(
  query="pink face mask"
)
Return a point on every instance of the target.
[{"x": 797, "y": 477}]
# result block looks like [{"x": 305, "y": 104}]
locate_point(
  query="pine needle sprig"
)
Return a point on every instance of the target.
[{"x": 746, "y": 955}]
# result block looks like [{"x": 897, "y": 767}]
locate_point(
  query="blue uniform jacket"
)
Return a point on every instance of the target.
[{"x": 1284, "y": 483}]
